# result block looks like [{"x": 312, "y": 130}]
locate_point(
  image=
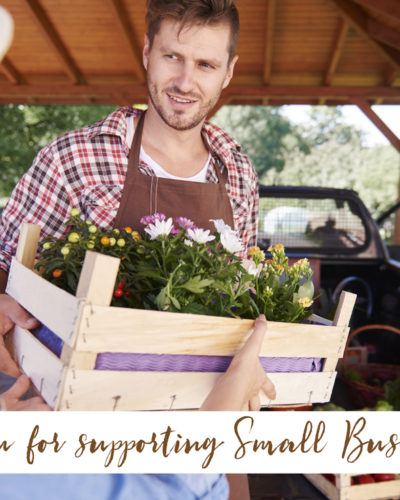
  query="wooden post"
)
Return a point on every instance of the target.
[
  {"x": 97, "y": 279},
  {"x": 342, "y": 318},
  {"x": 28, "y": 244}
]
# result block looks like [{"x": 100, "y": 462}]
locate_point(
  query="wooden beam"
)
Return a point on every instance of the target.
[
  {"x": 269, "y": 40},
  {"x": 138, "y": 93},
  {"x": 11, "y": 73},
  {"x": 54, "y": 40},
  {"x": 384, "y": 34},
  {"x": 390, "y": 8},
  {"x": 357, "y": 17},
  {"x": 337, "y": 51},
  {"x": 391, "y": 76},
  {"x": 378, "y": 122},
  {"x": 223, "y": 101},
  {"x": 122, "y": 18}
]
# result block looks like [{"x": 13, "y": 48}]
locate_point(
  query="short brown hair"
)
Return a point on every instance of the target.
[{"x": 191, "y": 12}]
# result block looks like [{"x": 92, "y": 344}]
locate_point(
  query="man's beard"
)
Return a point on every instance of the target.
[{"x": 179, "y": 120}]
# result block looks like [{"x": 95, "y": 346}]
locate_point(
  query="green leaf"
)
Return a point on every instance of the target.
[
  {"x": 306, "y": 290},
  {"x": 175, "y": 302},
  {"x": 162, "y": 299},
  {"x": 196, "y": 284}
]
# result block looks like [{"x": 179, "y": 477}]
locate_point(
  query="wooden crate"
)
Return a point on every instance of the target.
[
  {"x": 88, "y": 326},
  {"x": 344, "y": 490}
]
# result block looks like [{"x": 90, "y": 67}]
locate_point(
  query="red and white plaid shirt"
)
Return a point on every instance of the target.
[{"x": 86, "y": 169}]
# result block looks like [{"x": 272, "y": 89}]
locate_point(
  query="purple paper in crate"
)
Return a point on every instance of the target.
[{"x": 177, "y": 362}]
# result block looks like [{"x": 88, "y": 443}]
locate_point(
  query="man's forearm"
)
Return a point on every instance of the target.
[{"x": 3, "y": 280}]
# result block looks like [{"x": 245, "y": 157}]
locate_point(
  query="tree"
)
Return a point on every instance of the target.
[
  {"x": 25, "y": 129},
  {"x": 263, "y": 132}
]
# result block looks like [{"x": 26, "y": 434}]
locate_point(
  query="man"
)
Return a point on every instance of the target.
[
  {"x": 179, "y": 164},
  {"x": 168, "y": 160}
]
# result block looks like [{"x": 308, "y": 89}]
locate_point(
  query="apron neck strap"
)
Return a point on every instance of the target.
[{"x": 137, "y": 141}]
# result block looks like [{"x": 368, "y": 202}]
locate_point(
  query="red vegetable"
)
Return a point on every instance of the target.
[
  {"x": 383, "y": 477},
  {"x": 118, "y": 292},
  {"x": 365, "y": 479}
]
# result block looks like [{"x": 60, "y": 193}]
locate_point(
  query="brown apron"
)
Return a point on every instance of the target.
[{"x": 146, "y": 194}]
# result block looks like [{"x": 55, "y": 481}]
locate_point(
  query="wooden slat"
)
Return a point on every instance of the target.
[
  {"x": 374, "y": 491},
  {"x": 57, "y": 309},
  {"x": 27, "y": 244},
  {"x": 337, "y": 50},
  {"x": 269, "y": 40},
  {"x": 97, "y": 279},
  {"x": 323, "y": 485},
  {"x": 121, "y": 16},
  {"x": 390, "y": 8},
  {"x": 45, "y": 370},
  {"x": 54, "y": 39},
  {"x": 224, "y": 100},
  {"x": 105, "y": 390},
  {"x": 359, "y": 20},
  {"x": 378, "y": 122},
  {"x": 344, "y": 309},
  {"x": 342, "y": 319},
  {"x": 383, "y": 33},
  {"x": 345, "y": 491},
  {"x": 10, "y": 71},
  {"x": 135, "y": 330},
  {"x": 234, "y": 91}
]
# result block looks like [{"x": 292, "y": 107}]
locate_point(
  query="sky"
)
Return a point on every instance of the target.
[{"x": 354, "y": 116}]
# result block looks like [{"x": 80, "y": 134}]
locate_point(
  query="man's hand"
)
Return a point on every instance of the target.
[
  {"x": 10, "y": 401},
  {"x": 12, "y": 313},
  {"x": 239, "y": 387}
]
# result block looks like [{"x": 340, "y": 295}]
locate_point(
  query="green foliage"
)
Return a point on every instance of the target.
[
  {"x": 263, "y": 132},
  {"x": 324, "y": 151},
  {"x": 27, "y": 128},
  {"x": 183, "y": 269}
]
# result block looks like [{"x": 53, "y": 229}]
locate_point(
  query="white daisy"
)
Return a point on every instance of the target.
[
  {"x": 159, "y": 228},
  {"x": 220, "y": 225},
  {"x": 231, "y": 242},
  {"x": 200, "y": 235}
]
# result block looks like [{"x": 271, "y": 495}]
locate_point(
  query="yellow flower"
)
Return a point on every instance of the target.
[
  {"x": 136, "y": 236},
  {"x": 90, "y": 245},
  {"x": 92, "y": 229},
  {"x": 128, "y": 229},
  {"x": 305, "y": 301},
  {"x": 47, "y": 246},
  {"x": 73, "y": 238},
  {"x": 278, "y": 247},
  {"x": 113, "y": 241},
  {"x": 74, "y": 212},
  {"x": 254, "y": 251},
  {"x": 121, "y": 242},
  {"x": 105, "y": 241}
]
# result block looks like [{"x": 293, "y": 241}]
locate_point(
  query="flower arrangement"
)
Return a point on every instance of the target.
[{"x": 179, "y": 267}]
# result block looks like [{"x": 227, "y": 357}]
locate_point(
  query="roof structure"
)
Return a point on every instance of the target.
[{"x": 290, "y": 52}]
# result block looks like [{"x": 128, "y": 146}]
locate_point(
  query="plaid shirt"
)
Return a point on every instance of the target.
[{"x": 86, "y": 169}]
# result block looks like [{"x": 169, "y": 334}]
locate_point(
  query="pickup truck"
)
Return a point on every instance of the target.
[{"x": 335, "y": 230}]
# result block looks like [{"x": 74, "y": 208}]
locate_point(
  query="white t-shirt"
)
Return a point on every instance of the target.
[{"x": 157, "y": 169}]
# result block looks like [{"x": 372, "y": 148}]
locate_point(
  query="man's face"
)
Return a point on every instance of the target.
[{"x": 187, "y": 71}]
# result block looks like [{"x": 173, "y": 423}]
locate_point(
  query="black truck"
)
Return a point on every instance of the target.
[{"x": 335, "y": 230}]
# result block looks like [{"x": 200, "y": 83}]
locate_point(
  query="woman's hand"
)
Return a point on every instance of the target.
[
  {"x": 11, "y": 313},
  {"x": 10, "y": 400},
  {"x": 239, "y": 387}
]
